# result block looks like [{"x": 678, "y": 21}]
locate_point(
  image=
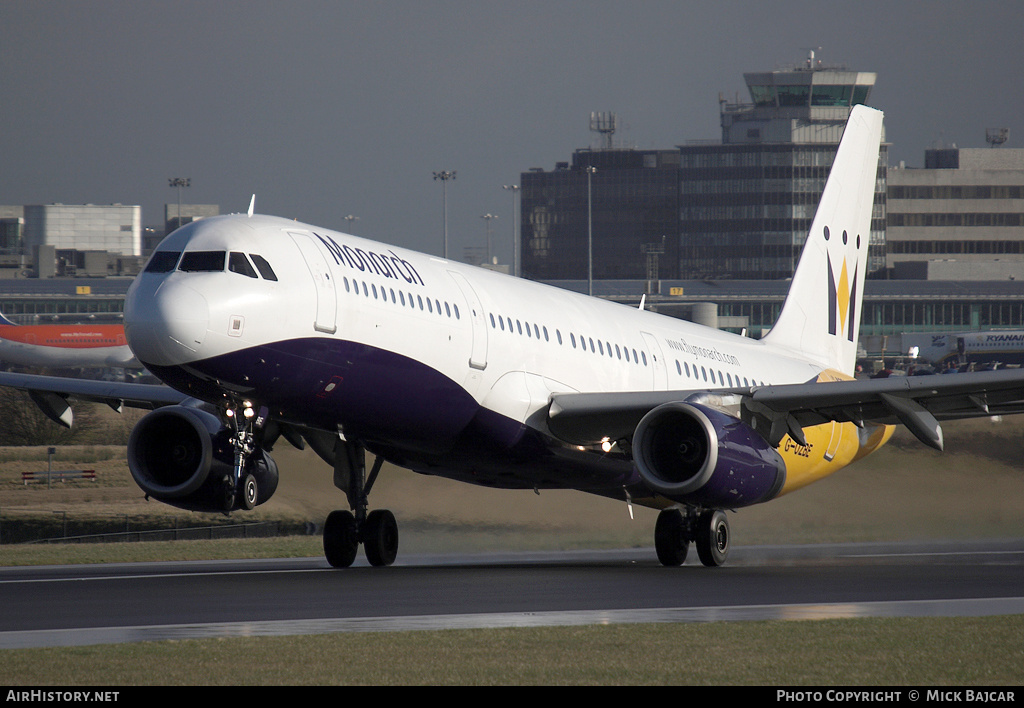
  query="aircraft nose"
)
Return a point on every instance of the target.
[{"x": 167, "y": 326}]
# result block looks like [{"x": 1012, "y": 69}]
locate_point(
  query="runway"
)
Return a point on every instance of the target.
[{"x": 99, "y": 604}]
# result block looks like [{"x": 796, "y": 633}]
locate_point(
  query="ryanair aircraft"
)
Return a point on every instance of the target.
[{"x": 264, "y": 327}]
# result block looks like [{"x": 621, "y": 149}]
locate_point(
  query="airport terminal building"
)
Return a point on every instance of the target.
[{"x": 738, "y": 209}]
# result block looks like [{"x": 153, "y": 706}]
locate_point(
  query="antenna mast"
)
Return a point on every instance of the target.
[
  {"x": 996, "y": 136},
  {"x": 604, "y": 123}
]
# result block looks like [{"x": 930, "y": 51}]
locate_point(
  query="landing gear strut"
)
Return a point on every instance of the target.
[
  {"x": 242, "y": 483},
  {"x": 709, "y": 530},
  {"x": 344, "y": 530}
]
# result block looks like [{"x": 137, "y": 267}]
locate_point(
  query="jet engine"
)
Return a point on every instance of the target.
[
  {"x": 184, "y": 457},
  {"x": 698, "y": 455}
]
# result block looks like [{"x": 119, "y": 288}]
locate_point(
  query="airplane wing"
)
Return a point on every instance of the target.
[
  {"x": 51, "y": 394},
  {"x": 918, "y": 402}
]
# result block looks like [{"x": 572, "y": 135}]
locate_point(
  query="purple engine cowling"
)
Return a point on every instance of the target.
[
  {"x": 698, "y": 455},
  {"x": 181, "y": 456}
]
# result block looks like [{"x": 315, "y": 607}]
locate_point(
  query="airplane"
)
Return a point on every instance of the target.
[
  {"x": 65, "y": 346},
  {"x": 264, "y": 328}
]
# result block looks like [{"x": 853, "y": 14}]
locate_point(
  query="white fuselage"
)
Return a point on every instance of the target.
[{"x": 506, "y": 342}]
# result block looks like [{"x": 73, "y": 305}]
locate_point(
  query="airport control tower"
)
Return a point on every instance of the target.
[
  {"x": 805, "y": 104},
  {"x": 746, "y": 204}
]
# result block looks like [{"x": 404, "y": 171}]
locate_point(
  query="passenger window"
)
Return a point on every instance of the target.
[
  {"x": 163, "y": 261},
  {"x": 263, "y": 267},
  {"x": 202, "y": 261}
]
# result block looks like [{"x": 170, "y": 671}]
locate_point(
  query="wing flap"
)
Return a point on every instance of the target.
[{"x": 918, "y": 402}]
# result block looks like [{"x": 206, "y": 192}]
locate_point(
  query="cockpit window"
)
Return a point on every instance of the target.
[
  {"x": 263, "y": 267},
  {"x": 195, "y": 261},
  {"x": 163, "y": 261},
  {"x": 238, "y": 263}
]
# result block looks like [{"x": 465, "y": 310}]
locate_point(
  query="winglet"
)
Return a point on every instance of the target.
[
  {"x": 643, "y": 299},
  {"x": 252, "y": 205},
  {"x": 5, "y": 321}
]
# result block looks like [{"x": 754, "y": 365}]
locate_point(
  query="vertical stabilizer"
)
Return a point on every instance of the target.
[{"x": 821, "y": 316}]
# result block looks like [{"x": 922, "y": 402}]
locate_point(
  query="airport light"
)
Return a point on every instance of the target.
[
  {"x": 444, "y": 176},
  {"x": 488, "y": 218},
  {"x": 590, "y": 233},
  {"x": 514, "y": 188},
  {"x": 179, "y": 182},
  {"x": 350, "y": 221}
]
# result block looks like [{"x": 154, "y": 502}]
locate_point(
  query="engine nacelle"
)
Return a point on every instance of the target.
[
  {"x": 184, "y": 457},
  {"x": 697, "y": 455}
]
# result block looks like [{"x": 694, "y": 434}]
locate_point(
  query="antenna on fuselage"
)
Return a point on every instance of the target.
[{"x": 252, "y": 204}]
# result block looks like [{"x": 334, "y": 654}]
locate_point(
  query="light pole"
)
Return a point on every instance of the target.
[
  {"x": 515, "y": 240},
  {"x": 488, "y": 218},
  {"x": 350, "y": 220},
  {"x": 590, "y": 233},
  {"x": 179, "y": 182},
  {"x": 444, "y": 176}
]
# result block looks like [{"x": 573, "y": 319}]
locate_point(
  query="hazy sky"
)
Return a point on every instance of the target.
[{"x": 334, "y": 108}]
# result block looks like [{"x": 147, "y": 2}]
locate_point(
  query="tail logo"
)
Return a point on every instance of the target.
[{"x": 841, "y": 300}]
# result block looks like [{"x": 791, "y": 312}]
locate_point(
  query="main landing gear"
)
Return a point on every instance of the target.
[
  {"x": 709, "y": 531},
  {"x": 345, "y": 530}
]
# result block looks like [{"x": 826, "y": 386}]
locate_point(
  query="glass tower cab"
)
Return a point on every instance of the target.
[{"x": 746, "y": 204}]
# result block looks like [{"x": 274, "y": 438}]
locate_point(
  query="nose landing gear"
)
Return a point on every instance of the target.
[{"x": 242, "y": 485}]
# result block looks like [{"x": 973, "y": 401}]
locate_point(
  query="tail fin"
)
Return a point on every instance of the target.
[{"x": 821, "y": 316}]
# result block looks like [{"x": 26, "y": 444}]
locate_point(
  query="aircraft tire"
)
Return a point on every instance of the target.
[
  {"x": 712, "y": 538},
  {"x": 250, "y": 492},
  {"x": 341, "y": 542},
  {"x": 670, "y": 539},
  {"x": 380, "y": 537}
]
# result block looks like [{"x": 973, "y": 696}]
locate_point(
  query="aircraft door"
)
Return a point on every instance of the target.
[
  {"x": 478, "y": 355},
  {"x": 657, "y": 362},
  {"x": 326, "y": 298}
]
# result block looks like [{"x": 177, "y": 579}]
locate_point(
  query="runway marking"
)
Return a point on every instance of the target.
[{"x": 115, "y": 635}]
